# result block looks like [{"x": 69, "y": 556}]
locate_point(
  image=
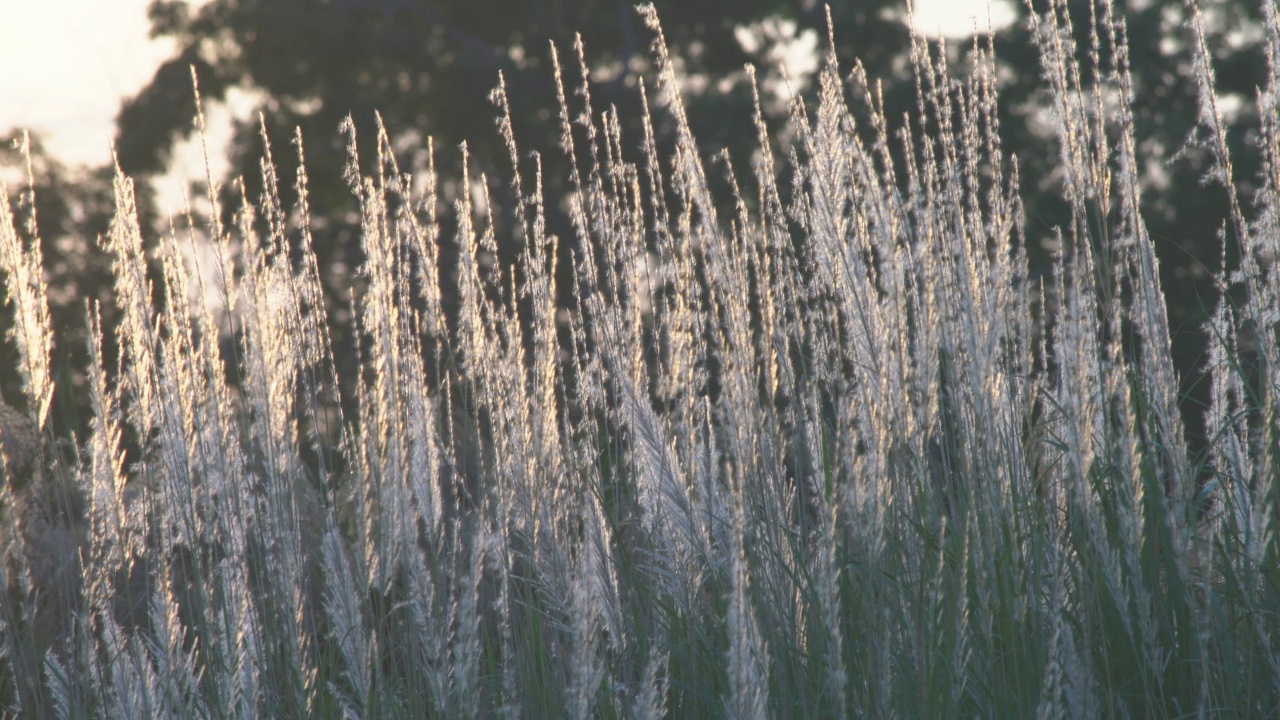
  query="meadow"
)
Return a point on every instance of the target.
[{"x": 810, "y": 440}]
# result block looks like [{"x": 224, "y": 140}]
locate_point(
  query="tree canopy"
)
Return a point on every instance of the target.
[{"x": 427, "y": 67}]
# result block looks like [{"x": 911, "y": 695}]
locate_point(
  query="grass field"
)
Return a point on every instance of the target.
[{"x": 833, "y": 455}]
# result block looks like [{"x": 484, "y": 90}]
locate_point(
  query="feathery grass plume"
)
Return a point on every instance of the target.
[
  {"x": 344, "y": 609},
  {"x": 23, "y": 265},
  {"x": 465, "y": 615},
  {"x": 116, "y": 532},
  {"x": 430, "y": 637},
  {"x": 586, "y": 671},
  {"x": 174, "y": 662},
  {"x": 652, "y": 696},
  {"x": 136, "y": 331},
  {"x": 1237, "y": 507},
  {"x": 747, "y": 657},
  {"x": 19, "y": 443},
  {"x": 382, "y": 443},
  {"x": 798, "y": 439}
]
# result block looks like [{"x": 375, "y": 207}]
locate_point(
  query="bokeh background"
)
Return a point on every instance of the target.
[{"x": 72, "y": 62}]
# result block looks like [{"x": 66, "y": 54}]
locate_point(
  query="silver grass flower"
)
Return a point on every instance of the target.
[{"x": 19, "y": 442}]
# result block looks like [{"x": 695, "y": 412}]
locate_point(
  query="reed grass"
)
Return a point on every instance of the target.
[{"x": 807, "y": 441}]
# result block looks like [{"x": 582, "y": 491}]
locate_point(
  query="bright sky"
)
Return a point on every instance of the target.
[{"x": 67, "y": 63}]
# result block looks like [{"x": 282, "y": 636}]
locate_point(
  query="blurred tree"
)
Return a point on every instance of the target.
[{"x": 426, "y": 66}]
